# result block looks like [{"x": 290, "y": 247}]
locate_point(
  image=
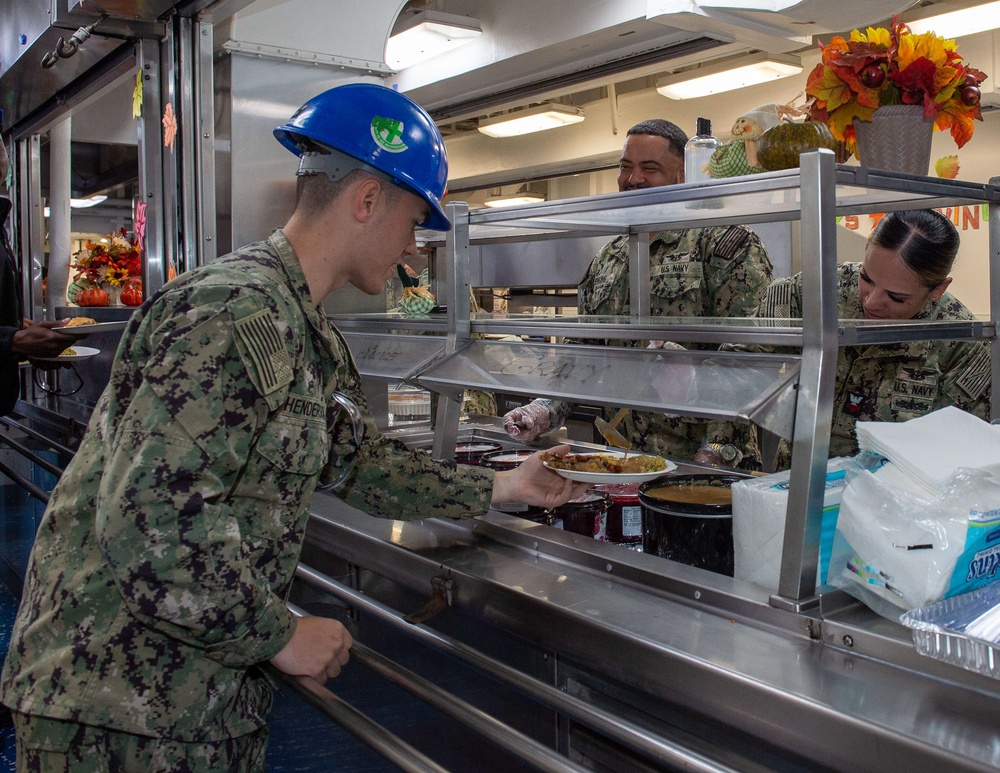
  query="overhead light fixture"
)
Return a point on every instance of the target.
[
  {"x": 514, "y": 200},
  {"x": 729, "y": 75},
  {"x": 425, "y": 34},
  {"x": 956, "y": 24},
  {"x": 532, "y": 119},
  {"x": 90, "y": 201}
]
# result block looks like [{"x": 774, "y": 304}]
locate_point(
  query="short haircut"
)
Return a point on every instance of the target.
[
  {"x": 659, "y": 127},
  {"x": 925, "y": 240},
  {"x": 315, "y": 192}
]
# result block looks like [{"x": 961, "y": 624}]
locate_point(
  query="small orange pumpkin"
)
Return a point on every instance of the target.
[
  {"x": 131, "y": 296},
  {"x": 92, "y": 296}
]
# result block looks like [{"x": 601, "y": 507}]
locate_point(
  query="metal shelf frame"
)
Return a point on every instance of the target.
[{"x": 816, "y": 194}]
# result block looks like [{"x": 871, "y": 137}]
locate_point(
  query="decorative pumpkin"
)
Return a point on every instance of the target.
[
  {"x": 131, "y": 296},
  {"x": 779, "y": 148},
  {"x": 417, "y": 300},
  {"x": 91, "y": 296}
]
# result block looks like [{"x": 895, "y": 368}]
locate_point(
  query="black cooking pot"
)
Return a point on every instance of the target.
[{"x": 689, "y": 519}]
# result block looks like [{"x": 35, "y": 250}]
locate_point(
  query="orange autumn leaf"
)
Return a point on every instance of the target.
[
  {"x": 825, "y": 85},
  {"x": 960, "y": 122}
]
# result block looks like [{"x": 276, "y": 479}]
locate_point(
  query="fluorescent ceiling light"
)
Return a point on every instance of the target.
[
  {"x": 727, "y": 76},
  {"x": 514, "y": 200},
  {"x": 955, "y": 24},
  {"x": 532, "y": 119},
  {"x": 91, "y": 201},
  {"x": 426, "y": 34}
]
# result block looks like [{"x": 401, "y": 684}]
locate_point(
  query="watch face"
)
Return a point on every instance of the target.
[{"x": 728, "y": 453}]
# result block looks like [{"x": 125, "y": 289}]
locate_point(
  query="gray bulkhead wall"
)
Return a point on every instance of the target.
[
  {"x": 268, "y": 63},
  {"x": 255, "y": 175}
]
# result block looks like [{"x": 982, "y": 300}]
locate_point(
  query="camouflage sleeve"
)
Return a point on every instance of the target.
[
  {"x": 163, "y": 521},
  {"x": 391, "y": 481},
  {"x": 967, "y": 379},
  {"x": 737, "y": 269},
  {"x": 604, "y": 288},
  {"x": 781, "y": 299}
]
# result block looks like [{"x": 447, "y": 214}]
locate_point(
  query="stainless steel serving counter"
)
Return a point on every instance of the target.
[{"x": 696, "y": 656}]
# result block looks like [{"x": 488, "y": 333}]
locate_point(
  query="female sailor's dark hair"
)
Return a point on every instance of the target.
[{"x": 925, "y": 240}]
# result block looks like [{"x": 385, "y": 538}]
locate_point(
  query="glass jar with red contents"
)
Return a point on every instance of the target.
[
  {"x": 624, "y": 513},
  {"x": 586, "y": 515}
]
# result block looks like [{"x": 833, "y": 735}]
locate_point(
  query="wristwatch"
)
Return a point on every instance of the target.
[{"x": 728, "y": 452}]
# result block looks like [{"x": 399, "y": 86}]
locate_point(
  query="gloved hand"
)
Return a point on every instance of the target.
[
  {"x": 529, "y": 421},
  {"x": 664, "y": 345}
]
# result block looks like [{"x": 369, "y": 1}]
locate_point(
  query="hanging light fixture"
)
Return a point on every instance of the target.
[
  {"x": 956, "y": 24},
  {"x": 523, "y": 195},
  {"x": 532, "y": 119},
  {"x": 514, "y": 199},
  {"x": 729, "y": 75},
  {"x": 425, "y": 34},
  {"x": 91, "y": 201}
]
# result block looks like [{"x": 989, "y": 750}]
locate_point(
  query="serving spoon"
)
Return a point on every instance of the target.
[{"x": 612, "y": 435}]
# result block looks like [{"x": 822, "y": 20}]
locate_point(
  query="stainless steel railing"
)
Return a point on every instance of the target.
[
  {"x": 513, "y": 741},
  {"x": 390, "y": 746},
  {"x": 630, "y": 735}
]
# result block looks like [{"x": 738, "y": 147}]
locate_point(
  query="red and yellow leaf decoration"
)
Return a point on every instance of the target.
[
  {"x": 894, "y": 67},
  {"x": 946, "y": 166}
]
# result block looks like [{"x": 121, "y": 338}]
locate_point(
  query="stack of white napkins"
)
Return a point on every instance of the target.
[{"x": 924, "y": 452}]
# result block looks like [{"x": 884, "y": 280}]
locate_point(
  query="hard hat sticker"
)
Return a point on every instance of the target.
[{"x": 388, "y": 134}]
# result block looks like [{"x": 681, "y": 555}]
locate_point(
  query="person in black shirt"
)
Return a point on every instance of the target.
[{"x": 19, "y": 338}]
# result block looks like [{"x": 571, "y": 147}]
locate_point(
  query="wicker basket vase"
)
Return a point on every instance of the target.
[{"x": 897, "y": 139}]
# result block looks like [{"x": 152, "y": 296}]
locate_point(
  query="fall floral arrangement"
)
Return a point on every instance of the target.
[
  {"x": 114, "y": 260},
  {"x": 893, "y": 67}
]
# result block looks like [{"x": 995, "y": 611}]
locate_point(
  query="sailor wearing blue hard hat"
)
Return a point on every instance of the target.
[
  {"x": 174, "y": 534},
  {"x": 363, "y": 126}
]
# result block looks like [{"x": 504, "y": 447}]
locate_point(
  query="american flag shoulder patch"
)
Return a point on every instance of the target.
[
  {"x": 976, "y": 378},
  {"x": 732, "y": 241},
  {"x": 263, "y": 352},
  {"x": 778, "y": 301}
]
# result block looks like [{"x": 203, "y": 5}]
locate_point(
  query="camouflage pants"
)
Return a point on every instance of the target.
[{"x": 55, "y": 746}]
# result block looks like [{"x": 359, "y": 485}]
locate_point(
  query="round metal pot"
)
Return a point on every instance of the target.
[{"x": 689, "y": 519}]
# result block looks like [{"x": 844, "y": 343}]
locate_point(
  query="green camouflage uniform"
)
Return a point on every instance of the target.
[
  {"x": 696, "y": 272},
  {"x": 890, "y": 382},
  {"x": 160, "y": 570}
]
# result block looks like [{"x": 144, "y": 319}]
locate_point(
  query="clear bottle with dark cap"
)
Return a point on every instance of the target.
[{"x": 698, "y": 151}]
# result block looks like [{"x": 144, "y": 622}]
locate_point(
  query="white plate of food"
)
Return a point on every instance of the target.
[
  {"x": 609, "y": 466},
  {"x": 72, "y": 354},
  {"x": 87, "y": 328}
]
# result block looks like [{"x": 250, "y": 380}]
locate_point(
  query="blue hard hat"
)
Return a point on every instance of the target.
[{"x": 382, "y": 128}]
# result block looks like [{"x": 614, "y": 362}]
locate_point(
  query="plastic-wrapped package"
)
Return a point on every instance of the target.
[
  {"x": 896, "y": 550},
  {"x": 963, "y": 630}
]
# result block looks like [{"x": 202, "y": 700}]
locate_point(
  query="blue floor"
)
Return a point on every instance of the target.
[{"x": 8, "y": 608}]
